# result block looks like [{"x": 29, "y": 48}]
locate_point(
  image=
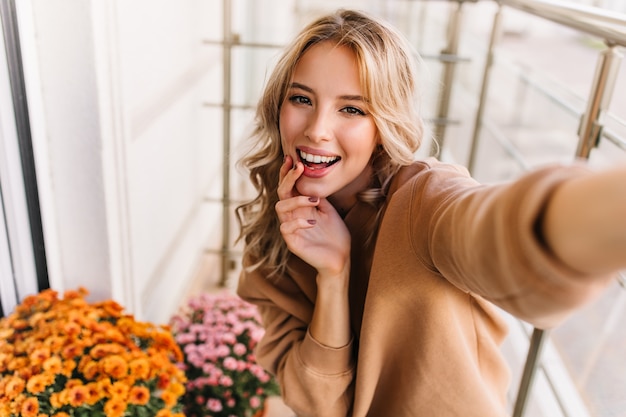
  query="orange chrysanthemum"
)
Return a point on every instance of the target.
[
  {"x": 104, "y": 384},
  {"x": 90, "y": 357},
  {"x": 91, "y": 369},
  {"x": 115, "y": 366},
  {"x": 38, "y": 383},
  {"x": 30, "y": 407},
  {"x": 17, "y": 363},
  {"x": 111, "y": 308},
  {"x": 53, "y": 365},
  {"x": 78, "y": 395},
  {"x": 139, "y": 395},
  {"x": 14, "y": 387},
  {"x": 55, "y": 342},
  {"x": 177, "y": 389},
  {"x": 73, "y": 383},
  {"x": 105, "y": 349},
  {"x": 115, "y": 407},
  {"x": 118, "y": 390},
  {"x": 94, "y": 394},
  {"x": 140, "y": 368},
  {"x": 71, "y": 351},
  {"x": 39, "y": 355},
  {"x": 163, "y": 381},
  {"x": 169, "y": 398},
  {"x": 68, "y": 367},
  {"x": 55, "y": 400},
  {"x": 71, "y": 328}
]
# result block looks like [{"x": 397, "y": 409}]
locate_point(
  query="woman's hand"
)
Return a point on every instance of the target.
[
  {"x": 314, "y": 231},
  {"x": 311, "y": 227},
  {"x": 585, "y": 222}
]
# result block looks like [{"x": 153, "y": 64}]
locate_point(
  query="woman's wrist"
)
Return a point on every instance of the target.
[{"x": 330, "y": 324}]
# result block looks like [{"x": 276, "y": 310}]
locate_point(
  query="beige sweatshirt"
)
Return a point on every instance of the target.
[{"x": 426, "y": 335}]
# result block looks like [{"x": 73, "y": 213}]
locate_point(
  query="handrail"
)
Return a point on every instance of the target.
[{"x": 594, "y": 21}]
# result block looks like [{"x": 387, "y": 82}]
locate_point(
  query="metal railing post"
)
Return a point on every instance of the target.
[
  {"x": 537, "y": 341},
  {"x": 454, "y": 31},
  {"x": 599, "y": 99},
  {"x": 226, "y": 119},
  {"x": 495, "y": 31}
]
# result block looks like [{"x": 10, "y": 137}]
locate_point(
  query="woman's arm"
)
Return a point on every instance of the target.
[
  {"x": 315, "y": 233},
  {"x": 315, "y": 379},
  {"x": 330, "y": 325},
  {"x": 503, "y": 241},
  {"x": 315, "y": 368},
  {"x": 585, "y": 222}
]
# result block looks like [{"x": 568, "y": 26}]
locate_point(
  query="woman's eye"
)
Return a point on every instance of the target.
[
  {"x": 299, "y": 100},
  {"x": 353, "y": 110}
]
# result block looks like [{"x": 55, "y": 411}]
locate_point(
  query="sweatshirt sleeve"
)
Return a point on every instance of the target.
[
  {"x": 315, "y": 380},
  {"x": 486, "y": 240}
]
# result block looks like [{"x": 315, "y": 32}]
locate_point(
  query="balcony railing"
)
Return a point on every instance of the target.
[
  {"x": 611, "y": 29},
  {"x": 590, "y": 115}
]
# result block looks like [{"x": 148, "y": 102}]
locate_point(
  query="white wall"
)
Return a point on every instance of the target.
[{"x": 125, "y": 148}]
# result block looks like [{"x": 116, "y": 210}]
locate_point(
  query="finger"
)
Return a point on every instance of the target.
[
  {"x": 285, "y": 167},
  {"x": 287, "y": 183},
  {"x": 293, "y": 226},
  {"x": 295, "y": 203},
  {"x": 293, "y": 207}
]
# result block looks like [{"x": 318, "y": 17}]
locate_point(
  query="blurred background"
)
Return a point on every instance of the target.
[{"x": 121, "y": 123}]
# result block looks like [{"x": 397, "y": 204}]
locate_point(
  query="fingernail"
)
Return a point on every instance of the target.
[
  {"x": 313, "y": 199},
  {"x": 312, "y": 221}
]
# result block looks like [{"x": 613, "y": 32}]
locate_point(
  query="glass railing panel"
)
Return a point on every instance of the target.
[
  {"x": 251, "y": 66},
  {"x": 534, "y": 108},
  {"x": 540, "y": 82},
  {"x": 590, "y": 344}
]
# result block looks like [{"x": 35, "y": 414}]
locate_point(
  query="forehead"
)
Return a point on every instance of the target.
[{"x": 328, "y": 62}]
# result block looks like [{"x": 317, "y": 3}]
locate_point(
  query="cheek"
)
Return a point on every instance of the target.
[
  {"x": 286, "y": 125},
  {"x": 364, "y": 139}
]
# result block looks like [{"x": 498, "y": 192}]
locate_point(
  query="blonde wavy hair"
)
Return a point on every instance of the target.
[{"x": 387, "y": 67}]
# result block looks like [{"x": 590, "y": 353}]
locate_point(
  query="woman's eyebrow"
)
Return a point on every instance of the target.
[
  {"x": 349, "y": 97},
  {"x": 301, "y": 87},
  {"x": 353, "y": 98}
]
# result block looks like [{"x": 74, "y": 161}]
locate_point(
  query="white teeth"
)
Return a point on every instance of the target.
[{"x": 316, "y": 159}]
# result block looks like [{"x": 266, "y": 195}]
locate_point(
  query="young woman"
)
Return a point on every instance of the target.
[{"x": 375, "y": 274}]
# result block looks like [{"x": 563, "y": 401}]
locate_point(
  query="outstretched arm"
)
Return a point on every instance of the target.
[
  {"x": 539, "y": 247},
  {"x": 585, "y": 222}
]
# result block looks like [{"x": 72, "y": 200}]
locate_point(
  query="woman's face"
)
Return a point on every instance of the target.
[{"x": 326, "y": 125}]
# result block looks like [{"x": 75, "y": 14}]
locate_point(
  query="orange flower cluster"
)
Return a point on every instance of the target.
[{"x": 67, "y": 357}]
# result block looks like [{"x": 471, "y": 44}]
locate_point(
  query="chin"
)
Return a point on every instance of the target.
[{"x": 311, "y": 190}]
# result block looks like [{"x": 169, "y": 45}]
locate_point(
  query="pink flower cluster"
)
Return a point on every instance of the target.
[{"x": 217, "y": 334}]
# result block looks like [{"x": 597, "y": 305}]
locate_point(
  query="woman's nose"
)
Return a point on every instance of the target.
[{"x": 319, "y": 126}]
